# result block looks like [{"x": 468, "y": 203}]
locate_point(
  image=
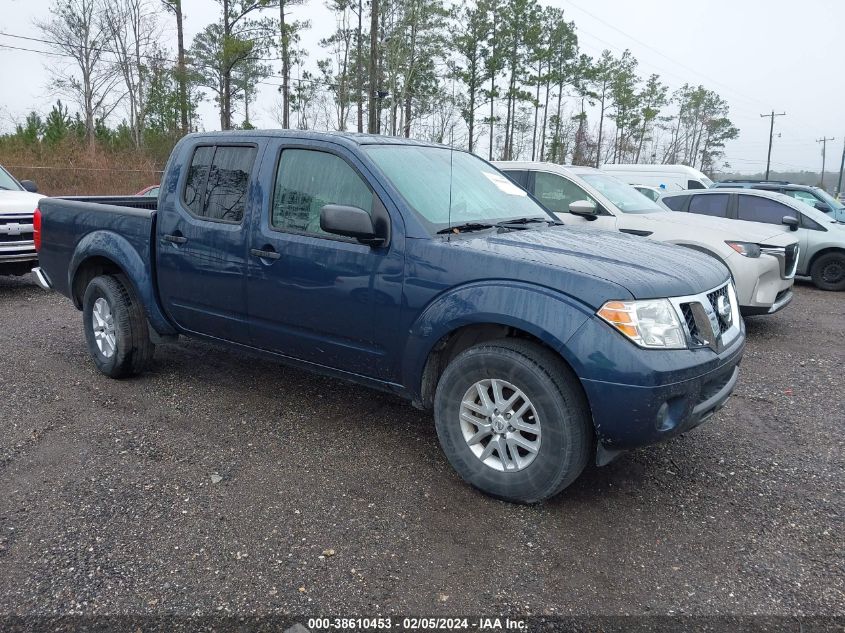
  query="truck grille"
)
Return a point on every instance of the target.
[
  {"x": 704, "y": 323},
  {"x": 713, "y": 298}
]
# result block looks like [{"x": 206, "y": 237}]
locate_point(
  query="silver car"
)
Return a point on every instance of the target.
[{"x": 821, "y": 238}]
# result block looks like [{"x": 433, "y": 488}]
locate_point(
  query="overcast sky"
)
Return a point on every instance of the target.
[{"x": 758, "y": 54}]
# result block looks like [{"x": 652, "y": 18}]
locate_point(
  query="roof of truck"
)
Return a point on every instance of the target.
[{"x": 351, "y": 138}]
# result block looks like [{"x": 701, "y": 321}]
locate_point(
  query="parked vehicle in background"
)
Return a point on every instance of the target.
[
  {"x": 652, "y": 193},
  {"x": 816, "y": 197},
  {"x": 150, "y": 192},
  {"x": 822, "y": 239},
  {"x": 762, "y": 262},
  {"x": 416, "y": 269},
  {"x": 669, "y": 177},
  {"x": 18, "y": 200}
]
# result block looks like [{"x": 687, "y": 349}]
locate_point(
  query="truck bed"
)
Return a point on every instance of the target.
[{"x": 77, "y": 230}]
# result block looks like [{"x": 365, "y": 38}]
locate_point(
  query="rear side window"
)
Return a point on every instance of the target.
[
  {"x": 308, "y": 180},
  {"x": 675, "y": 203},
  {"x": 519, "y": 176},
  {"x": 218, "y": 182},
  {"x": 715, "y": 204},
  {"x": 757, "y": 209}
]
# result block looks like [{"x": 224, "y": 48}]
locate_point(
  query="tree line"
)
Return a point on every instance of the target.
[{"x": 503, "y": 78}]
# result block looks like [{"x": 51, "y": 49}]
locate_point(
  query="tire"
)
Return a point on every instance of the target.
[
  {"x": 565, "y": 438},
  {"x": 130, "y": 350},
  {"x": 828, "y": 271}
]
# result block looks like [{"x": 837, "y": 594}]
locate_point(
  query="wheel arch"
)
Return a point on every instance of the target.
[
  {"x": 824, "y": 251},
  {"x": 467, "y": 317},
  {"x": 105, "y": 252}
]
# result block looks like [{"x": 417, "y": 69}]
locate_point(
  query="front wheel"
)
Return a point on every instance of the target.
[
  {"x": 513, "y": 421},
  {"x": 828, "y": 271},
  {"x": 115, "y": 327}
]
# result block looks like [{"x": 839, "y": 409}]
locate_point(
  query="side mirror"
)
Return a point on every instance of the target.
[
  {"x": 352, "y": 222},
  {"x": 584, "y": 208},
  {"x": 791, "y": 222},
  {"x": 29, "y": 186},
  {"x": 821, "y": 206}
]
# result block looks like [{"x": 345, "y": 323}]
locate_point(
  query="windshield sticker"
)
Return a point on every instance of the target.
[{"x": 504, "y": 185}]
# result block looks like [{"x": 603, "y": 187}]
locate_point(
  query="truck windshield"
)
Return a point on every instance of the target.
[
  {"x": 429, "y": 178},
  {"x": 7, "y": 182},
  {"x": 624, "y": 197}
]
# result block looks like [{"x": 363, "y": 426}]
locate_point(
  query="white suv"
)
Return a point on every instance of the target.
[
  {"x": 17, "y": 206},
  {"x": 762, "y": 260}
]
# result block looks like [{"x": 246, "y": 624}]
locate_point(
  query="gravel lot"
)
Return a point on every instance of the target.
[{"x": 221, "y": 483}]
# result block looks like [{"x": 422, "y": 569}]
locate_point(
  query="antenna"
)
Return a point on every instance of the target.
[{"x": 451, "y": 153}]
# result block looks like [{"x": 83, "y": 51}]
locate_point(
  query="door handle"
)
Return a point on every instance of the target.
[
  {"x": 264, "y": 254},
  {"x": 174, "y": 239}
]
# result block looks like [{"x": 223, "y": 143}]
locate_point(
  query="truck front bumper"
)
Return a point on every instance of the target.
[{"x": 651, "y": 395}]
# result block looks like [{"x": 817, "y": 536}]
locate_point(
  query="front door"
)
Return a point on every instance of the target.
[
  {"x": 318, "y": 297},
  {"x": 203, "y": 238},
  {"x": 556, "y": 193}
]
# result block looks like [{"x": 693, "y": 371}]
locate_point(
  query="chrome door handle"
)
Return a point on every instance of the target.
[{"x": 174, "y": 239}]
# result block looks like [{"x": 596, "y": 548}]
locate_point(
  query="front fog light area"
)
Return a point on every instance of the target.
[{"x": 652, "y": 323}]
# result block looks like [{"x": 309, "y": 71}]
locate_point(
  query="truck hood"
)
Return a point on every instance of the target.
[
  {"x": 18, "y": 201},
  {"x": 723, "y": 228},
  {"x": 645, "y": 268}
]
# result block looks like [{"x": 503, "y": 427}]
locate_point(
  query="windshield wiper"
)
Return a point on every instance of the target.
[
  {"x": 466, "y": 227},
  {"x": 523, "y": 221}
]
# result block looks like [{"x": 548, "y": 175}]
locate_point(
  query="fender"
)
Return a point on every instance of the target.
[
  {"x": 549, "y": 315},
  {"x": 117, "y": 249}
]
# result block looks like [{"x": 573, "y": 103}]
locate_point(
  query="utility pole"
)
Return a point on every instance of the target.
[
  {"x": 841, "y": 169},
  {"x": 372, "y": 122},
  {"x": 824, "y": 141},
  {"x": 771, "y": 135}
]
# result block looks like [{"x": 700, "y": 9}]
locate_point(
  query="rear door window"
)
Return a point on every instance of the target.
[
  {"x": 675, "y": 203},
  {"x": 715, "y": 204},
  {"x": 519, "y": 176},
  {"x": 758, "y": 209},
  {"x": 217, "y": 186}
]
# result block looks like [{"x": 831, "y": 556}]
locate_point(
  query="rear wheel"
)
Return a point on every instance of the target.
[
  {"x": 828, "y": 271},
  {"x": 513, "y": 421},
  {"x": 115, "y": 327}
]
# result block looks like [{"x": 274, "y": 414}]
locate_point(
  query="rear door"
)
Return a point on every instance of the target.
[{"x": 203, "y": 241}]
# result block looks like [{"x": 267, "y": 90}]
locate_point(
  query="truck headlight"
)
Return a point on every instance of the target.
[
  {"x": 652, "y": 323},
  {"x": 746, "y": 249}
]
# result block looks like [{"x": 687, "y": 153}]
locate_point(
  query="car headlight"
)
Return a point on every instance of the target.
[
  {"x": 746, "y": 249},
  {"x": 652, "y": 323}
]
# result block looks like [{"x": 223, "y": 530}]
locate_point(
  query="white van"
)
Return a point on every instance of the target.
[{"x": 670, "y": 178}]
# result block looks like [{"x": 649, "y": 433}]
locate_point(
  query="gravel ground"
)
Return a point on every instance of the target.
[{"x": 221, "y": 483}]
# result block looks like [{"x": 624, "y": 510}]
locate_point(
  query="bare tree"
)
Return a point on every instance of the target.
[
  {"x": 76, "y": 31},
  {"x": 175, "y": 6},
  {"x": 132, "y": 29}
]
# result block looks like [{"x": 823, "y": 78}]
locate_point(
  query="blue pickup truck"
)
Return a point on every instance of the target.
[{"x": 415, "y": 269}]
